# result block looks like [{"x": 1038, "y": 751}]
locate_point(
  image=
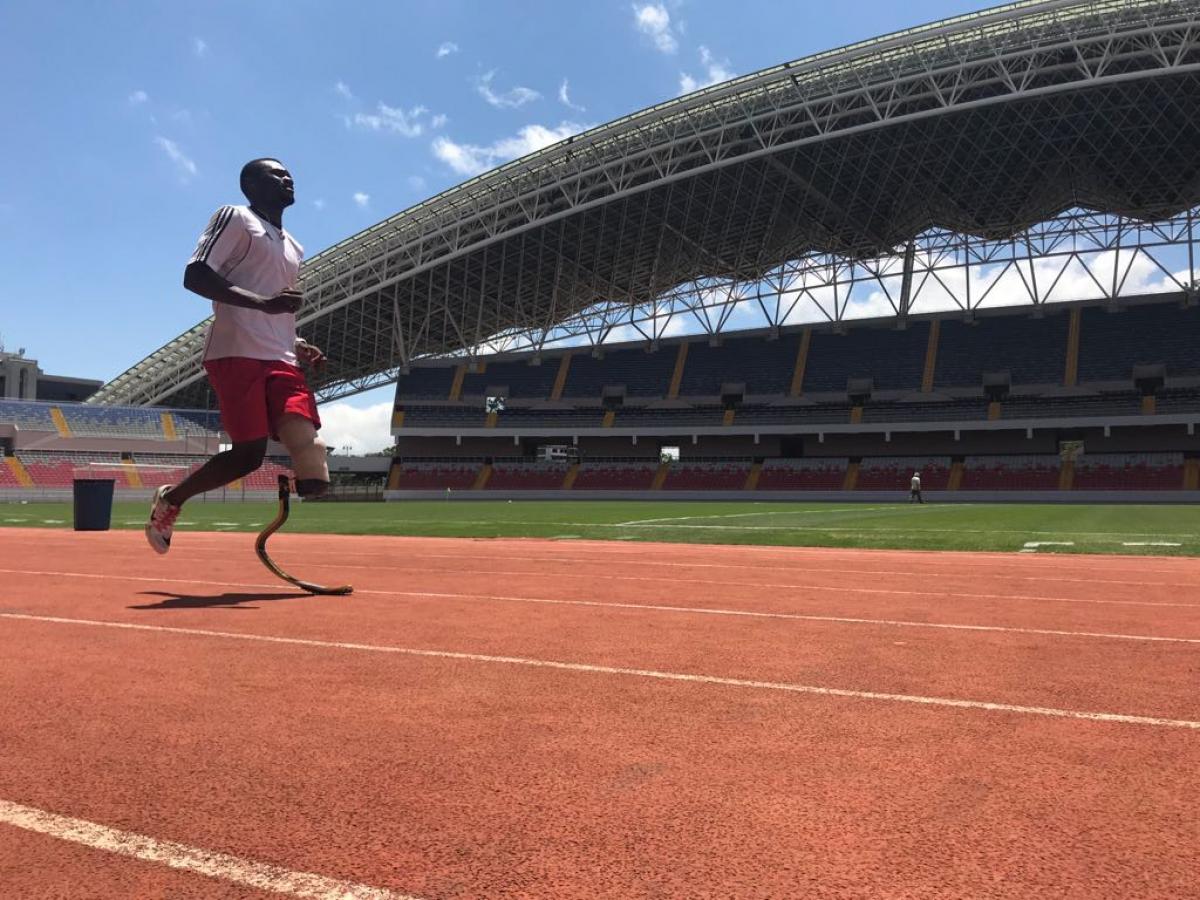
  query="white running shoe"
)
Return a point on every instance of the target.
[{"x": 162, "y": 521}]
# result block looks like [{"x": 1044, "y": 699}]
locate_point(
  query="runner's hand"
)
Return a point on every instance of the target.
[
  {"x": 308, "y": 354},
  {"x": 284, "y": 302}
]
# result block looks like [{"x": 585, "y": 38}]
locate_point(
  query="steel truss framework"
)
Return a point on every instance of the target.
[
  {"x": 1079, "y": 255},
  {"x": 788, "y": 188}
]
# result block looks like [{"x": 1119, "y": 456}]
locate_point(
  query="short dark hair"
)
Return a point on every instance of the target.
[{"x": 250, "y": 170}]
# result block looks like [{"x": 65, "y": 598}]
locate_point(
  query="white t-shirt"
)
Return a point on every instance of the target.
[
  {"x": 916, "y": 482},
  {"x": 251, "y": 253}
]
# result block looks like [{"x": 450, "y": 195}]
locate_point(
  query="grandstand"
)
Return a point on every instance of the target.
[
  {"x": 46, "y": 446},
  {"x": 959, "y": 247},
  {"x": 979, "y": 408}
]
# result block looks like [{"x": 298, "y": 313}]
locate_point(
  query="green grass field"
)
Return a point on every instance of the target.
[{"x": 1160, "y": 530}]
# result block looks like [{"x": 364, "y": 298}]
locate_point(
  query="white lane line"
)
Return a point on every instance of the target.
[
  {"x": 608, "y": 550},
  {"x": 797, "y": 617},
  {"x": 168, "y": 579},
  {"x": 1034, "y": 546},
  {"x": 1149, "y": 544},
  {"x": 222, "y": 866},
  {"x": 636, "y": 673},
  {"x": 828, "y": 588},
  {"x": 799, "y": 569}
]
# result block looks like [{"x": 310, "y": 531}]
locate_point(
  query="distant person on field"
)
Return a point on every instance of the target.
[
  {"x": 247, "y": 265},
  {"x": 914, "y": 494}
]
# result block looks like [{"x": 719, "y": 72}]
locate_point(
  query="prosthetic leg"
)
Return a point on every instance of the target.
[{"x": 260, "y": 547}]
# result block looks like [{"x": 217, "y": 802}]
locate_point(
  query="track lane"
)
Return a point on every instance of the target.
[{"x": 448, "y": 779}]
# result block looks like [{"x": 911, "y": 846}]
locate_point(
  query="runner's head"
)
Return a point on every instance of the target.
[{"x": 267, "y": 183}]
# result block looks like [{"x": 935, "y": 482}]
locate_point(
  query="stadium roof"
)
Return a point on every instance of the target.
[{"x": 982, "y": 125}]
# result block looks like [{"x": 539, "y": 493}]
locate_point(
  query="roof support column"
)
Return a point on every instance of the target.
[
  {"x": 910, "y": 255},
  {"x": 398, "y": 332}
]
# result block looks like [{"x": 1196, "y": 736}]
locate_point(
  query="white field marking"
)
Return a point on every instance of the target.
[
  {"x": 796, "y": 617},
  {"x": 168, "y": 579},
  {"x": 638, "y": 673},
  {"x": 222, "y": 866},
  {"x": 1149, "y": 544},
  {"x": 16, "y": 520},
  {"x": 1096, "y": 537},
  {"x": 1034, "y": 546},
  {"x": 776, "y": 512},
  {"x": 234, "y": 524},
  {"x": 54, "y": 521}
]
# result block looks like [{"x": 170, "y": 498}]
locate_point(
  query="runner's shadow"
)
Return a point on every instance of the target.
[{"x": 200, "y": 601}]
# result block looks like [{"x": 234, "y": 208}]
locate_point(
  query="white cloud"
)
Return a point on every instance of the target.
[
  {"x": 137, "y": 98},
  {"x": 344, "y": 90},
  {"x": 406, "y": 123},
  {"x": 438, "y": 121},
  {"x": 364, "y": 429},
  {"x": 187, "y": 168},
  {"x": 200, "y": 47},
  {"x": 715, "y": 71},
  {"x": 511, "y": 99},
  {"x": 445, "y": 49},
  {"x": 362, "y": 199},
  {"x": 319, "y": 204},
  {"x": 416, "y": 182},
  {"x": 564, "y": 97},
  {"x": 471, "y": 159},
  {"x": 653, "y": 20}
]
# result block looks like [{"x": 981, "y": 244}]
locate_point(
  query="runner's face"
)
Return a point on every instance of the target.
[{"x": 274, "y": 185}]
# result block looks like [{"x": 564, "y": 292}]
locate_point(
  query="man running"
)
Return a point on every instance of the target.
[{"x": 246, "y": 264}]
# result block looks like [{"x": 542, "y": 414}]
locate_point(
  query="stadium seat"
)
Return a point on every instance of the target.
[
  {"x": 526, "y": 475},
  {"x": 893, "y": 473},
  {"x": 1011, "y": 473},
  {"x": 425, "y": 475},
  {"x": 811, "y": 474},
  {"x": 1129, "y": 472},
  {"x": 616, "y": 475},
  {"x": 708, "y": 475}
]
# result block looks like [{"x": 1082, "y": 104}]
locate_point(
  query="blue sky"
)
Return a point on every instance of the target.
[{"x": 126, "y": 124}]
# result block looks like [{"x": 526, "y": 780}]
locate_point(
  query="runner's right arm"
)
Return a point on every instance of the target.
[
  {"x": 200, "y": 279},
  {"x": 225, "y": 241}
]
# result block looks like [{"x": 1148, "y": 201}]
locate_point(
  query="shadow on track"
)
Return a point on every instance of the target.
[{"x": 200, "y": 601}]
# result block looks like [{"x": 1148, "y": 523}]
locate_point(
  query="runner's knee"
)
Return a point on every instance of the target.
[{"x": 249, "y": 455}]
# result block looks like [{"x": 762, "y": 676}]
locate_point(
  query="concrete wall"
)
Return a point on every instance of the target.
[{"x": 1127, "y": 439}]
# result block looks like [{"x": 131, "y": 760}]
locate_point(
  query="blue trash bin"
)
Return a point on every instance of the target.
[{"x": 93, "y": 503}]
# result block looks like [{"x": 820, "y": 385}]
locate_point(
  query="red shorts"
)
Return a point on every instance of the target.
[{"x": 255, "y": 393}]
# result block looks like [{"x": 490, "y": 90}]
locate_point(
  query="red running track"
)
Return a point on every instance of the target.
[{"x": 587, "y": 719}]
